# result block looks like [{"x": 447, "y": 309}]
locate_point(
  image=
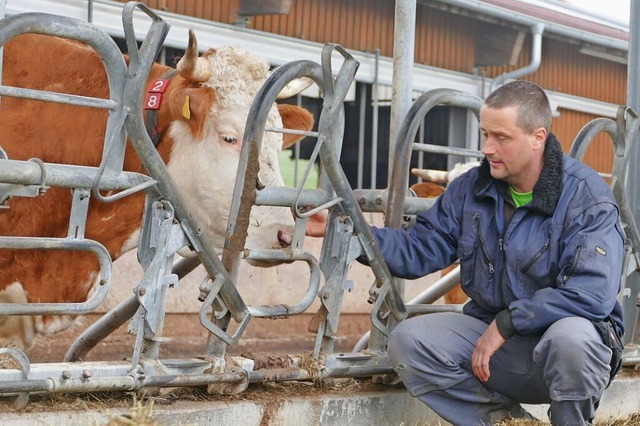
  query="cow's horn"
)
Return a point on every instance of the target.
[
  {"x": 437, "y": 176},
  {"x": 294, "y": 87},
  {"x": 191, "y": 66}
]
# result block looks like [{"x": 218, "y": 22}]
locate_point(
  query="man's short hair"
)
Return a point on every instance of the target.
[{"x": 534, "y": 109}]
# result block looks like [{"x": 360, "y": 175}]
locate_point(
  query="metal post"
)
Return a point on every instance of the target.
[
  {"x": 633, "y": 100},
  {"x": 2, "y": 12},
  {"x": 633, "y": 97},
  {"x": 362, "y": 122},
  {"x": 403, "y": 50},
  {"x": 90, "y": 11},
  {"x": 374, "y": 124}
]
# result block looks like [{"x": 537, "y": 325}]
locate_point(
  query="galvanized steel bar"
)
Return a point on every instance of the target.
[
  {"x": 97, "y": 297},
  {"x": 117, "y": 316},
  {"x": 100, "y": 41},
  {"x": 42, "y": 95},
  {"x": 633, "y": 177},
  {"x": 65, "y": 176},
  {"x": 375, "y": 114},
  {"x": 157, "y": 170},
  {"x": 400, "y": 172},
  {"x": 100, "y": 329},
  {"x": 182, "y": 380},
  {"x": 312, "y": 288},
  {"x": 439, "y": 149},
  {"x": 633, "y": 64},
  {"x": 403, "y": 51},
  {"x": 586, "y": 135},
  {"x": 330, "y": 161}
]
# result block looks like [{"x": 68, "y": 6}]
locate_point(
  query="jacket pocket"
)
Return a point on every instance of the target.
[
  {"x": 536, "y": 268},
  {"x": 477, "y": 268}
]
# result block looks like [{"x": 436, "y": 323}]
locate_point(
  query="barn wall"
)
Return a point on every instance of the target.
[{"x": 444, "y": 40}]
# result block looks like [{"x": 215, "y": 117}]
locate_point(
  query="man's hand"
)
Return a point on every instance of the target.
[{"x": 486, "y": 346}]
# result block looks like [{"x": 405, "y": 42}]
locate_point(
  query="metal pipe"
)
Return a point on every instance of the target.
[
  {"x": 362, "y": 123},
  {"x": 430, "y": 295},
  {"x": 403, "y": 52},
  {"x": 312, "y": 289},
  {"x": 66, "y": 176},
  {"x": 193, "y": 380},
  {"x": 2, "y": 13},
  {"x": 449, "y": 150},
  {"x": 481, "y": 7},
  {"x": 117, "y": 316},
  {"x": 374, "y": 122},
  {"x": 633, "y": 176},
  {"x": 99, "y": 330},
  {"x": 90, "y": 11},
  {"x": 536, "y": 58},
  {"x": 399, "y": 178},
  {"x": 633, "y": 66}
]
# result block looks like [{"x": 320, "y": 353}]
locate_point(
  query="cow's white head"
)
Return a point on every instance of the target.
[{"x": 211, "y": 108}]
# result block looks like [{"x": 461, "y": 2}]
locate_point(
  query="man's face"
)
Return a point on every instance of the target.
[{"x": 514, "y": 155}]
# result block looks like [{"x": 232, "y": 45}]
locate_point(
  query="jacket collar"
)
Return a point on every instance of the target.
[{"x": 546, "y": 192}]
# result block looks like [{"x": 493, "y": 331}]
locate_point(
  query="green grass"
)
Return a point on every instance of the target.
[{"x": 288, "y": 168}]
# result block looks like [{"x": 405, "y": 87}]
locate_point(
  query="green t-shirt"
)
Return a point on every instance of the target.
[{"x": 520, "y": 198}]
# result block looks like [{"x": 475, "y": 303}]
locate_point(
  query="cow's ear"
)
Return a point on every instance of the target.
[
  {"x": 297, "y": 118},
  {"x": 191, "y": 105}
]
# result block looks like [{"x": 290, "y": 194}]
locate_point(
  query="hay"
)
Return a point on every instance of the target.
[
  {"x": 632, "y": 420},
  {"x": 141, "y": 413}
]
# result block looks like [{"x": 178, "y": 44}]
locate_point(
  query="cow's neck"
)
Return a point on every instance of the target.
[{"x": 156, "y": 90}]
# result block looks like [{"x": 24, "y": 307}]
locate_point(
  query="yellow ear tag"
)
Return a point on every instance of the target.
[{"x": 186, "y": 111}]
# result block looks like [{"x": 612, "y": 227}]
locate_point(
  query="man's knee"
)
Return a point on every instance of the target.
[
  {"x": 572, "y": 342},
  {"x": 401, "y": 342},
  {"x": 574, "y": 359}
]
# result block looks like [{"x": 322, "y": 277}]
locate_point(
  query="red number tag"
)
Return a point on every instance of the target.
[
  {"x": 159, "y": 85},
  {"x": 152, "y": 100},
  {"x": 154, "y": 94}
]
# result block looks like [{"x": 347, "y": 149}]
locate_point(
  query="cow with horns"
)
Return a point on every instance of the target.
[{"x": 199, "y": 131}]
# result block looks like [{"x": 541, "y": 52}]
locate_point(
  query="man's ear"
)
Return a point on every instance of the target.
[{"x": 540, "y": 137}]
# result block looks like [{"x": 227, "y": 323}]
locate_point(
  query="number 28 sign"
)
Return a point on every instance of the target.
[{"x": 153, "y": 99}]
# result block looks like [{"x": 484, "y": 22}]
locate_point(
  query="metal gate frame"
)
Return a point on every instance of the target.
[{"x": 224, "y": 313}]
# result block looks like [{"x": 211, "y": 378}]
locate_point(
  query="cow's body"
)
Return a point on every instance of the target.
[{"x": 201, "y": 152}]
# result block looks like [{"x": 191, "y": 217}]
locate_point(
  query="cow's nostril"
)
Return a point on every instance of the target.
[{"x": 284, "y": 239}]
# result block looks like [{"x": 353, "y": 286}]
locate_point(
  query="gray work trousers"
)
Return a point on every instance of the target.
[{"x": 567, "y": 367}]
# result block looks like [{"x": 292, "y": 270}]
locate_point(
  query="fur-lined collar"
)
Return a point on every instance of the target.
[{"x": 547, "y": 190}]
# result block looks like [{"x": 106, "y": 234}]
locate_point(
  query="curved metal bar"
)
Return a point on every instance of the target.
[
  {"x": 419, "y": 304},
  {"x": 399, "y": 181},
  {"x": 312, "y": 289},
  {"x": 586, "y": 135},
  {"x": 244, "y": 193},
  {"x": 117, "y": 316},
  {"x": 23, "y": 361},
  {"x": 64, "y": 175},
  {"x": 104, "y": 277},
  {"x": 100, "y": 329},
  {"x": 61, "y": 26},
  {"x": 157, "y": 170}
]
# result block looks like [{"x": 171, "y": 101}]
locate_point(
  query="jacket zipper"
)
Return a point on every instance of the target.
[
  {"x": 572, "y": 267},
  {"x": 483, "y": 249},
  {"x": 537, "y": 256}
]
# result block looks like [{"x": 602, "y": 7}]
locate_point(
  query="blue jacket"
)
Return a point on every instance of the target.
[{"x": 559, "y": 256}]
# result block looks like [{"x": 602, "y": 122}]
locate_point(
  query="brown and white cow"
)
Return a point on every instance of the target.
[{"x": 201, "y": 149}]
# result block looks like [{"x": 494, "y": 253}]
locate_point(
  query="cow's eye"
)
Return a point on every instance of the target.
[{"x": 228, "y": 139}]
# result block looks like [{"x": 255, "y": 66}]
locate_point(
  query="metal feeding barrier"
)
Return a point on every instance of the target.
[{"x": 167, "y": 227}]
